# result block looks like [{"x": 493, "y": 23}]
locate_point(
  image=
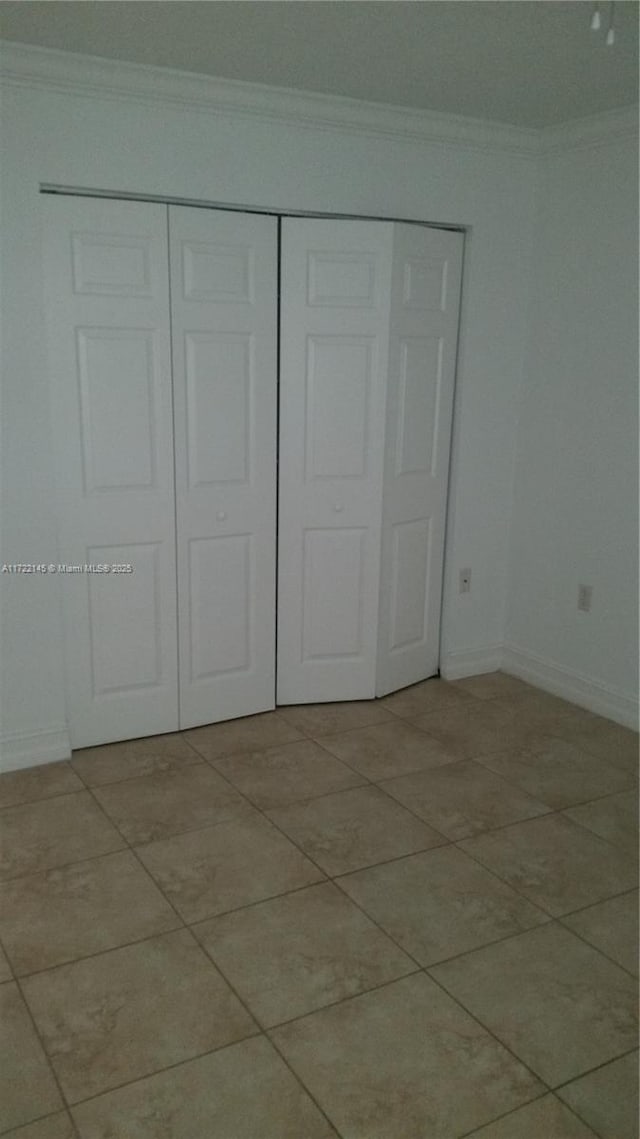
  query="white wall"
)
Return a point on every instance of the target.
[
  {"x": 576, "y": 507},
  {"x": 97, "y": 125}
]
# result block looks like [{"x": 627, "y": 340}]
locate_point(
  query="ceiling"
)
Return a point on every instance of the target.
[{"x": 533, "y": 63}]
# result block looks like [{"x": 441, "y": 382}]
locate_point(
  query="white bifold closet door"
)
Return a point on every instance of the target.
[
  {"x": 167, "y": 646},
  {"x": 423, "y": 336},
  {"x": 335, "y": 292},
  {"x": 163, "y": 333},
  {"x": 107, "y": 306},
  {"x": 369, "y": 319},
  {"x": 224, "y": 309}
]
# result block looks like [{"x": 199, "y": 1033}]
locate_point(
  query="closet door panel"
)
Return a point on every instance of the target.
[
  {"x": 107, "y": 309},
  {"x": 425, "y": 298},
  {"x": 334, "y": 317},
  {"x": 224, "y": 278}
]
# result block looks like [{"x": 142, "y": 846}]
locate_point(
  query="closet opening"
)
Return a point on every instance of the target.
[{"x": 253, "y": 410}]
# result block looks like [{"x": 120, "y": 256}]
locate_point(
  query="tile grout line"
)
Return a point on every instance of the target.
[
  {"x": 140, "y": 863},
  {"x": 514, "y": 822},
  {"x": 597, "y": 948},
  {"x": 596, "y": 1068},
  {"x": 551, "y": 1088},
  {"x": 304, "y": 1087},
  {"x": 521, "y": 1107},
  {"x": 260, "y": 1033},
  {"x": 516, "y": 888},
  {"x": 42, "y": 1119},
  {"x": 422, "y": 969},
  {"x": 450, "y": 996},
  {"x": 182, "y": 925},
  {"x": 45, "y": 1053},
  {"x": 265, "y": 1033},
  {"x": 446, "y": 841},
  {"x": 100, "y": 952},
  {"x": 161, "y": 1071},
  {"x": 62, "y": 866},
  {"x": 249, "y": 905},
  {"x": 327, "y": 877},
  {"x": 174, "y": 770}
]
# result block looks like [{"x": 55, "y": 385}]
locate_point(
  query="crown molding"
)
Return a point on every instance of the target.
[
  {"x": 595, "y": 131},
  {"x": 86, "y": 76},
  {"x": 89, "y": 76}
]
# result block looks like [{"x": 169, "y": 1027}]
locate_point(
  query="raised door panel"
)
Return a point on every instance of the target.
[
  {"x": 332, "y": 618},
  {"x": 220, "y": 378},
  {"x": 122, "y": 662},
  {"x": 334, "y": 316},
  {"x": 107, "y": 307},
  {"x": 409, "y": 584},
  {"x": 118, "y": 374},
  {"x": 224, "y": 321},
  {"x": 220, "y": 634},
  {"x": 427, "y": 265}
]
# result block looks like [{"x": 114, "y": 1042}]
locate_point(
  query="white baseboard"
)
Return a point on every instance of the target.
[
  {"x": 26, "y": 749},
  {"x": 574, "y": 686},
  {"x": 453, "y": 666}
]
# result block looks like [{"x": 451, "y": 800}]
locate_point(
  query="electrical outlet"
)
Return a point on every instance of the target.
[
  {"x": 465, "y": 581},
  {"x": 584, "y": 598}
]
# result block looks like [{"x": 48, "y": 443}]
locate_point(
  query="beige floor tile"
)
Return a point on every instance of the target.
[
  {"x": 114, "y": 1018},
  {"x": 383, "y": 751},
  {"x": 325, "y": 719},
  {"x": 603, "y": 738},
  {"x": 251, "y": 733},
  {"x": 546, "y": 1118},
  {"x": 291, "y": 955},
  {"x": 352, "y": 829},
  {"x": 206, "y": 872},
  {"x": 612, "y": 926},
  {"x": 131, "y": 758},
  {"x": 554, "y": 862},
  {"x": 53, "y": 832},
  {"x": 607, "y": 1099},
  {"x": 242, "y": 1092},
  {"x": 58, "y": 1126},
  {"x": 5, "y": 968},
  {"x": 557, "y": 1003},
  {"x": 428, "y": 696},
  {"x": 27, "y": 1087},
  {"x": 493, "y": 685},
  {"x": 287, "y": 774},
  {"x": 538, "y": 708},
  {"x": 168, "y": 803},
  {"x": 477, "y": 728},
  {"x": 614, "y": 818},
  {"x": 463, "y": 799},
  {"x": 388, "y": 1064},
  {"x": 42, "y": 782},
  {"x": 558, "y": 773},
  {"x": 439, "y": 904},
  {"x": 56, "y": 916}
]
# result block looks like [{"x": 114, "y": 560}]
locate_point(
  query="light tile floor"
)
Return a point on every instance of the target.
[{"x": 412, "y": 918}]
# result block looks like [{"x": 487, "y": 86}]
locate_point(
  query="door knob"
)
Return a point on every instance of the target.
[
  {"x": 338, "y": 507},
  {"x": 221, "y": 515}
]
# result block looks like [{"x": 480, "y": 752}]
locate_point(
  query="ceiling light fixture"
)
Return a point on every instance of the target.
[
  {"x": 596, "y": 22},
  {"x": 611, "y": 35}
]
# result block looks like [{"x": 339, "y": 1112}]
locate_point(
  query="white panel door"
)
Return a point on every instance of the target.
[
  {"x": 335, "y": 293},
  {"x": 224, "y": 296},
  {"x": 425, "y": 298},
  {"x": 107, "y": 304}
]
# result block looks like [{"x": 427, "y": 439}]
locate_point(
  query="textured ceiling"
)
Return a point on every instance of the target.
[{"x": 533, "y": 63}]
